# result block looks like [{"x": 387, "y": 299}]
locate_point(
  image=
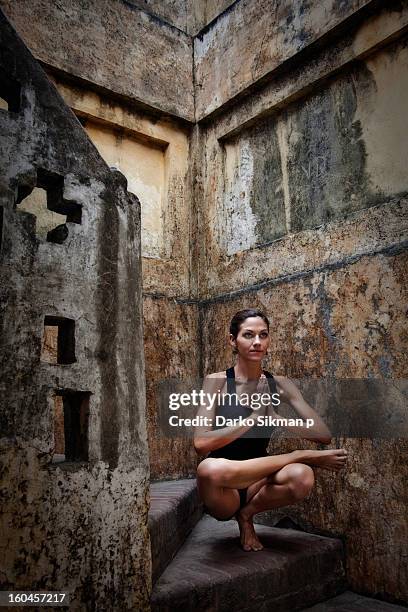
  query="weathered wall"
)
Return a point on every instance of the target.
[
  {"x": 346, "y": 321},
  {"x": 292, "y": 197},
  {"x": 316, "y": 160},
  {"x": 304, "y": 214},
  {"x": 171, "y": 340},
  {"x": 112, "y": 45},
  {"x": 191, "y": 16},
  {"x": 153, "y": 155},
  {"x": 254, "y": 38},
  {"x": 174, "y": 12},
  {"x": 79, "y": 524}
]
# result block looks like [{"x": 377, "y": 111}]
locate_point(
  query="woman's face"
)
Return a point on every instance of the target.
[{"x": 252, "y": 340}]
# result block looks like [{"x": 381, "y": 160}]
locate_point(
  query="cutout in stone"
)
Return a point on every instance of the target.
[
  {"x": 45, "y": 201},
  {"x": 71, "y": 418},
  {"x": 58, "y": 343},
  {"x": 10, "y": 93}
]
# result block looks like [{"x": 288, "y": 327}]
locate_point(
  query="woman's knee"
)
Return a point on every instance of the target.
[
  {"x": 217, "y": 471},
  {"x": 300, "y": 480}
]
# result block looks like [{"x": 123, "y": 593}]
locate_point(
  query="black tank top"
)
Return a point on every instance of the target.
[{"x": 246, "y": 446}]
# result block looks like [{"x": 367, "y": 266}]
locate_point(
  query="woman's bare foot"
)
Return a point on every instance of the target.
[
  {"x": 249, "y": 539},
  {"x": 332, "y": 459}
]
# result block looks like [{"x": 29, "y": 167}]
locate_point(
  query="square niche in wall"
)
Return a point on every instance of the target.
[{"x": 143, "y": 162}]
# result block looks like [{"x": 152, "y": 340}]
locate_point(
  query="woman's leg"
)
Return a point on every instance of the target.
[
  {"x": 288, "y": 486},
  {"x": 218, "y": 479},
  {"x": 214, "y": 475}
]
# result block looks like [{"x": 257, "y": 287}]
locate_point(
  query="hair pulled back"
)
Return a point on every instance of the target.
[{"x": 240, "y": 316}]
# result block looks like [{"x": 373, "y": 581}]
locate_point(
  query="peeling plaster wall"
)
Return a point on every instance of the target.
[
  {"x": 291, "y": 195},
  {"x": 169, "y": 318},
  {"x": 112, "y": 45},
  {"x": 320, "y": 159},
  {"x": 304, "y": 214},
  {"x": 77, "y": 525},
  {"x": 319, "y": 328},
  {"x": 254, "y": 38}
]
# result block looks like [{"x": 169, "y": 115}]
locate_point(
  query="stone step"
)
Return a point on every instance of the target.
[
  {"x": 211, "y": 573},
  {"x": 174, "y": 510},
  {"x": 353, "y": 602}
]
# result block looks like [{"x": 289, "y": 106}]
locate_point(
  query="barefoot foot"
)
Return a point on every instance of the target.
[
  {"x": 331, "y": 459},
  {"x": 249, "y": 539}
]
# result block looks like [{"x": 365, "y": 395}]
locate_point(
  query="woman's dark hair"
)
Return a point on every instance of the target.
[{"x": 240, "y": 316}]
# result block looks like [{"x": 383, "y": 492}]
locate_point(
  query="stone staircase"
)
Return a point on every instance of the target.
[{"x": 198, "y": 565}]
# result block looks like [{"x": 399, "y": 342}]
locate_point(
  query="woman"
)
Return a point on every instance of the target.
[{"x": 238, "y": 478}]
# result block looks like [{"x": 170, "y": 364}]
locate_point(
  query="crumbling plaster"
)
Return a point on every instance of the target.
[
  {"x": 345, "y": 321},
  {"x": 108, "y": 122},
  {"x": 112, "y": 45},
  {"x": 328, "y": 264},
  {"x": 76, "y": 526},
  {"x": 241, "y": 47}
]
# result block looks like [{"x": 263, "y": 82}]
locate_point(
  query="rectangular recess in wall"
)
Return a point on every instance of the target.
[
  {"x": 10, "y": 93},
  {"x": 71, "y": 419},
  {"x": 144, "y": 162},
  {"x": 58, "y": 342}
]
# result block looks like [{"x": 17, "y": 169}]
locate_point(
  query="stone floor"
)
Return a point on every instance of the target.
[{"x": 352, "y": 602}]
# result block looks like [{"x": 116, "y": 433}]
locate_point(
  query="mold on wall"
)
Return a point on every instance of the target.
[
  {"x": 334, "y": 281},
  {"x": 290, "y": 195},
  {"x": 160, "y": 157},
  {"x": 308, "y": 166},
  {"x": 254, "y": 209}
]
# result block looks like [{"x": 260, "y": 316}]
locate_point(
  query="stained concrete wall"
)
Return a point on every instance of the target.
[
  {"x": 254, "y": 38},
  {"x": 79, "y": 524},
  {"x": 112, "y": 45},
  {"x": 320, "y": 159},
  {"x": 158, "y": 164},
  {"x": 304, "y": 205},
  {"x": 296, "y": 196},
  {"x": 191, "y": 16}
]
